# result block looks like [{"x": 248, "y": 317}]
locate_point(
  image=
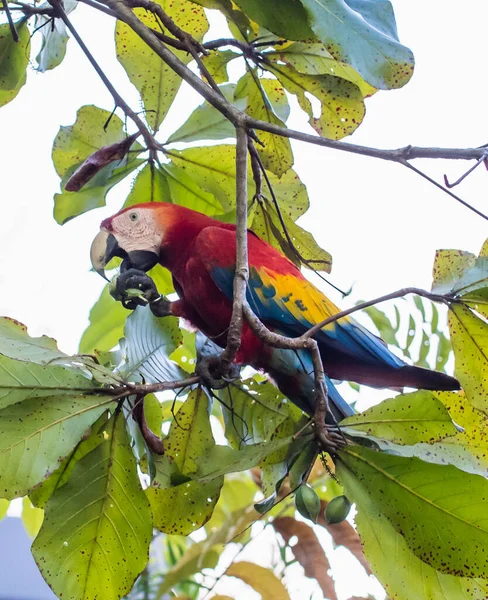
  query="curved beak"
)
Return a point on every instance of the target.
[{"x": 104, "y": 247}]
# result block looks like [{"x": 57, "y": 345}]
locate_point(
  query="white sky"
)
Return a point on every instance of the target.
[{"x": 381, "y": 223}]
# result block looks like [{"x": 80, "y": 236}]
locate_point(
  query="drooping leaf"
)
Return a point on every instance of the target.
[
  {"x": 406, "y": 419},
  {"x": 313, "y": 59},
  {"x": 264, "y": 581},
  {"x": 16, "y": 343},
  {"x": 267, "y": 101},
  {"x": 38, "y": 433},
  {"x": 469, "y": 337},
  {"x": 404, "y": 575},
  {"x": 363, "y": 35},
  {"x": 449, "y": 266},
  {"x": 154, "y": 79},
  {"x": 439, "y": 510},
  {"x": 299, "y": 245},
  {"x": 285, "y": 18},
  {"x": 148, "y": 343},
  {"x": 207, "y": 123},
  {"x": 14, "y": 58},
  {"x": 187, "y": 505},
  {"x": 308, "y": 551},
  {"x": 95, "y": 537},
  {"x": 341, "y": 101},
  {"x": 32, "y": 517}
]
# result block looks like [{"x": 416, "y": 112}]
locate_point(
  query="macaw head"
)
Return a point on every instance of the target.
[{"x": 134, "y": 234}]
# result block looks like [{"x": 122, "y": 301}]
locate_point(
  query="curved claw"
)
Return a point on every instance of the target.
[
  {"x": 134, "y": 279},
  {"x": 208, "y": 369}
]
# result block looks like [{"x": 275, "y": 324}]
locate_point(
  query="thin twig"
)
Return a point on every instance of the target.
[
  {"x": 463, "y": 177},
  {"x": 151, "y": 143},
  {"x": 99, "y": 6},
  {"x": 11, "y": 24}
]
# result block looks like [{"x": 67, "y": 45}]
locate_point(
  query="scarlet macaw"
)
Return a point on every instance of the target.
[{"x": 200, "y": 254}]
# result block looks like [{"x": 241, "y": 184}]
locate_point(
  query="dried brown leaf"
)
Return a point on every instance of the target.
[{"x": 308, "y": 552}]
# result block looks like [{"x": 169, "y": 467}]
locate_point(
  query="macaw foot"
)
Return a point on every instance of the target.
[
  {"x": 135, "y": 288},
  {"x": 208, "y": 368},
  {"x": 329, "y": 437}
]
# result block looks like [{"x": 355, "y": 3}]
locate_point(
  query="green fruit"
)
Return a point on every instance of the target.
[
  {"x": 337, "y": 510},
  {"x": 307, "y": 502}
]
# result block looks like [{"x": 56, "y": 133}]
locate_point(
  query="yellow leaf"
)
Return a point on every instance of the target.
[
  {"x": 32, "y": 517},
  {"x": 262, "y": 580}
]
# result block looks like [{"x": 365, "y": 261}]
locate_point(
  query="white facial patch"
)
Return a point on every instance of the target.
[{"x": 137, "y": 230}]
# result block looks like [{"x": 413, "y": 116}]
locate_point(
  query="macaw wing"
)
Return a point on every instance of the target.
[{"x": 283, "y": 299}]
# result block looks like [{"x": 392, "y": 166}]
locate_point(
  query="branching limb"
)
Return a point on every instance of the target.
[{"x": 151, "y": 143}]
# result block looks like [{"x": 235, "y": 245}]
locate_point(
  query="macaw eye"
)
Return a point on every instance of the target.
[{"x": 133, "y": 216}]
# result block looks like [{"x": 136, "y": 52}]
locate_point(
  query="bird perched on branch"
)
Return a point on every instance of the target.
[{"x": 200, "y": 253}]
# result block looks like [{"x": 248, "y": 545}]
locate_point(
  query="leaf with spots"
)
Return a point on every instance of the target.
[
  {"x": 439, "y": 510},
  {"x": 186, "y": 505},
  {"x": 402, "y": 573},
  {"x": 467, "y": 450},
  {"x": 313, "y": 59},
  {"x": 16, "y": 343},
  {"x": 150, "y": 185},
  {"x": 299, "y": 245},
  {"x": 14, "y": 59},
  {"x": 469, "y": 337},
  {"x": 216, "y": 62},
  {"x": 207, "y": 123},
  {"x": 157, "y": 83},
  {"x": 38, "y": 433},
  {"x": 267, "y": 101},
  {"x": 363, "y": 35},
  {"x": 95, "y": 538},
  {"x": 341, "y": 101},
  {"x": 406, "y": 419},
  {"x": 264, "y": 581}
]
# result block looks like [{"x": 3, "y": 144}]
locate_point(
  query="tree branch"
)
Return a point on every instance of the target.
[
  {"x": 241, "y": 275},
  {"x": 151, "y": 143}
]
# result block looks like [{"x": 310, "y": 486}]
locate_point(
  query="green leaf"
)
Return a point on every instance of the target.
[
  {"x": 107, "y": 318},
  {"x": 439, "y": 510},
  {"x": 16, "y": 343},
  {"x": 207, "y": 123},
  {"x": 267, "y": 101},
  {"x": 285, "y": 18},
  {"x": 313, "y": 59},
  {"x": 449, "y": 266},
  {"x": 404, "y": 575},
  {"x": 406, "y": 419},
  {"x": 291, "y": 194},
  {"x": 342, "y": 106},
  {"x": 38, "y": 433},
  {"x": 185, "y": 507},
  {"x": 154, "y": 79},
  {"x": 299, "y": 246},
  {"x": 32, "y": 517},
  {"x": 4, "y": 504},
  {"x": 148, "y": 343},
  {"x": 20, "y": 381},
  {"x": 95, "y": 537},
  {"x": 469, "y": 337},
  {"x": 382, "y": 324},
  {"x": 363, "y": 35},
  {"x": 68, "y": 205},
  {"x": 216, "y": 62},
  {"x": 150, "y": 185},
  {"x": 220, "y": 460},
  {"x": 14, "y": 56},
  {"x": 90, "y": 131}
]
